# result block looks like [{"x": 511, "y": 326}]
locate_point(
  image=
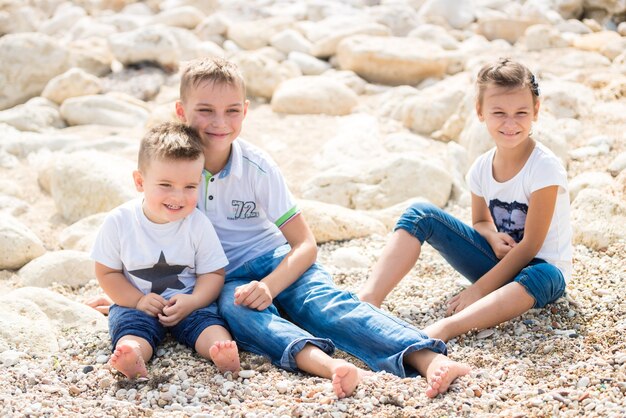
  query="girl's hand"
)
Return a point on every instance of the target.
[
  {"x": 152, "y": 304},
  {"x": 254, "y": 295},
  {"x": 501, "y": 243},
  {"x": 178, "y": 308},
  {"x": 463, "y": 300}
]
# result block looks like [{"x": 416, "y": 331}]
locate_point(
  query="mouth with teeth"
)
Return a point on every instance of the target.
[{"x": 173, "y": 207}]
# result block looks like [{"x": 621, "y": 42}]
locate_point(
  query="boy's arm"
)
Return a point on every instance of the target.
[
  {"x": 259, "y": 295},
  {"x": 207, "y": 289},
  {"x": 123, "y": 293},
  {"x": 540, "y": 211}
]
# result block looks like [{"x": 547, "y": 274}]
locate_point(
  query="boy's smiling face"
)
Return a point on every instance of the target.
[{"x": 217, "y": 111}]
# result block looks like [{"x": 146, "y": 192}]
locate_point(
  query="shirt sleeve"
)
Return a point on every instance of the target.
[
  {"x": 548, "y": 172},
  {"x": 107, "y": 246},
  {"x": 475, "y": 176},
  {"x": 209, "y": 252},
  {"x": 275, "y": 198}
]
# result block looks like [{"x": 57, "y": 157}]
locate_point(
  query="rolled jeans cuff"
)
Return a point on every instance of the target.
[
  {"x": 432, "y": 344},
  {"x": 288, "y": 359}
]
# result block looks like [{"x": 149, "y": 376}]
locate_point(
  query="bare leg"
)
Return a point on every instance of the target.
[
  {"x": 438, "y": 369},
  {"x": 507, "y": 302},
  {"x": 345, "y": 376},
  {"x": 100, "y": 303},
  {"x": 398, "y": 258},
  {"x": 216, "y": 343},
  {"x": 130, "y": 356}
]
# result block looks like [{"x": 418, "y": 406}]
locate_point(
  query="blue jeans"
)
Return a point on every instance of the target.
[
  {"x": 319, "y": 314},
  {"x": 128, "y": 321},
  {"x": 471, "y": 255}
]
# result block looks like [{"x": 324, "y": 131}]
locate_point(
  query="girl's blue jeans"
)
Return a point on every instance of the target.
[
  {"x": 314, "y": 311},
  {"x": 471, "y": 255}
]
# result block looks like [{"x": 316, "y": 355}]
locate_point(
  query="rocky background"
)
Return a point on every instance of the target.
[{"x": 365, "y": 105}]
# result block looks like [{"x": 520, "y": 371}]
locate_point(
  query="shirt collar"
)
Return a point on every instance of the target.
[{"x": 234, "y": 164}]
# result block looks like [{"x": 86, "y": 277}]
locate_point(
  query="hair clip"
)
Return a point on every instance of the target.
[{"x": 534, "y": 86}]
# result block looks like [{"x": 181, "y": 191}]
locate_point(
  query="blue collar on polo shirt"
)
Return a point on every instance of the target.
[{"x": 234, "y": 163}]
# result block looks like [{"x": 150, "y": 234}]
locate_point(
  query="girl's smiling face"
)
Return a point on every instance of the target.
[{"x": 508, "y": 114}]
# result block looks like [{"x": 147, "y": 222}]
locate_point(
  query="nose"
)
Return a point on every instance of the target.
[{"x": 218, "y": 120}]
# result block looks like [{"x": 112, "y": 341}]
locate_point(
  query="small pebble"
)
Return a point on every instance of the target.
[
  {"x": 486, "y": 333},
  {"x": 246, "y": 374},
  {"x": 87, "y": 369},
  {"x": 102, "y": 358}
]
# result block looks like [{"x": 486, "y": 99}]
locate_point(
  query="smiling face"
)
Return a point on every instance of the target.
[
  {"x": 216, "y": 111},
  {"x": 170, "y": 188},
  {"x": 508, "y": 113}
]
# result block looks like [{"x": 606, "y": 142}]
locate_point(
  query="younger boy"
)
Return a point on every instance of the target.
[{"x": 160, "y": 261}]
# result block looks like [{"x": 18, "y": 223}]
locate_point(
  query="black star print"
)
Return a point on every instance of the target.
[{"x": 161, "y": 275}]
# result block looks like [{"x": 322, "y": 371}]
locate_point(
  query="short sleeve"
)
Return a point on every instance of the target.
[
  {"x": 275, "y": 198},
  {"x": 209, "y": 252},
  {"x": 107, "y": 246},
  {"x": 475, "y": 176},
  {"x": 548, "y": 171}
]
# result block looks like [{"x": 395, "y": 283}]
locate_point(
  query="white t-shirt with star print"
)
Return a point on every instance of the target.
[{"x": 158, "y": 258}]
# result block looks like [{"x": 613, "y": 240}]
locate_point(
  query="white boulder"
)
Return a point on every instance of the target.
[
  {"x": 72, "y": 83},
  {"x": 618, "y": 164},
  {"x": 66, "y": 267},
  {"x": 206, "y": 6},
  {"x": 81, "y": 235},
  {"x": 290, "y": 40},
  {"x": 256, "y": 34},
  {"x": 106, "y": 109},
  {"x": 37, "y": 114},
  {"x": 329, "y": 33},
  {"x": 538, "y": 37},
  {"x": 149, "y": 43},
  {"x": 187, "y": 17},
  {"x": 18, "y": 244},
  {"x": 262, "y": 73},
  {"x": 457, "y": 14},
  {"x": 598, "y": 219},
  {"x": 564, "y": 99},
  {"x": 25, "y": 327},
  {"x": 313, "y": 95},
  {"x": 308, "y": 64}
]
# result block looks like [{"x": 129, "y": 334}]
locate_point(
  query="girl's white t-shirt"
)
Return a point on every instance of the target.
[{"x": 508, "y": 201}]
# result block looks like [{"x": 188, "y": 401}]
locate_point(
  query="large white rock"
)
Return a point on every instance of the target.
[
  {"x": 256, "y": 34},
  {"x": 313, "y": 95},
  {"x": 103, "y": 110},
  {"x": 589, "y": 180},
  {"x": 85, "y": 183},
  {"x": 290, "y": 40},
  {"x": 598, "y": 219},
  {"x": 564, "y": 99},
  {"x": 424, "y": 115},
  {"x": 308, "y": 64},
  {"x": 337, "y": 223},
  {"x": 212, "y": 27},
  {"x": 92, "y": 55},
  {"x": 382, "y": 183},
  {"x": 66, "y": 267},
  {"x": 391, "y": 60},
  {"x": 400, "y": 17},
  {"x": 595, "y": 41},
  {"x": 435, "y": 34},
  {"x": 62, "y": 21},
  {"x": 72, "y": 83},
  {"x": 389, "y": 216},
  {"x": 263, "y": 74},
  {"x": 507, "y": 28},
  {"x": 206, "y": 6},
  {"x": 618, "y": 164},
  {"x": 15, "y": 18},
  {"x": 24, "y": 75},
  {"x": 187, "y": 17},
  {"x": 37, "y": 114},
  {"x": 155, "y": 43},
  {"x": 80, "y": 236},
  {"x": 18, "y": 244},
  {"x": 25, "y": 327},
  {"x": 62, "y": 312},
  {"x": 327, "y": 34},
  {"x": 457, "y": 14},
  {"x": 349, "y": 258},
  {"x": 538, "y": 37}
]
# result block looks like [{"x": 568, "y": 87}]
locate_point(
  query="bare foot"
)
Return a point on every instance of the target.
[
  {"x": 225, "y": 356},
  {"x": 100, "y": 303},
  {"x": 441, "y": 373},
  {"x": 127, "y": 360},
  {"x": 346, "y": 377}
]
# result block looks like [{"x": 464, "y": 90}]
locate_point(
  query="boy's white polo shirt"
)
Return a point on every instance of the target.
[{"x": 247, "y": 202}]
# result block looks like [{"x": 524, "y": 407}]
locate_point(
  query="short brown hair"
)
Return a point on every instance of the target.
[
  {"x": 210, "y": 69},
  {"x": 506, "y": 73},
  {"x": 169, "y": 140}
]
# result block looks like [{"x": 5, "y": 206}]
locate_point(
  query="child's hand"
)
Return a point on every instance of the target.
[
  {"x": 463, "y": 300},
  {"x": 501, "y": 243},
  {"x": 178, "y": 308},
  {"x": 152, "y": 304},
  {"x": 254, "y": 295}
]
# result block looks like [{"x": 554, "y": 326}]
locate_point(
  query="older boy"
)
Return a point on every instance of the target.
[
  {"x": 272, "y": 256},
  {"x": 160, "y": 261}
]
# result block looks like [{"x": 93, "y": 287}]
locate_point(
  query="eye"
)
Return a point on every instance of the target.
[
  {"x": 522, "y": 113},
  {"x": 192, "y": 187},
  {"x": 164, "y": 184},
  {"x": 233, "y": 110},
  {"x": 498, "y": 113}
]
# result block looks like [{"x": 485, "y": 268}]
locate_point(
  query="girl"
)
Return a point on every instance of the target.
[{"x": 518, "y": 253}]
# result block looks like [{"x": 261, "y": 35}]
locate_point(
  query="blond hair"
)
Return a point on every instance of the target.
[
  {"x": 506, "y": 73},
  {"x": 210, "y": 69},
  {"x": 169, "y": 141}
]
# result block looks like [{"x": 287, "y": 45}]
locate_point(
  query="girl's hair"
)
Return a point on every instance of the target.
[
  {"x": 169, "y": 141},
  {"x": 506, "y": 73},
  {"x": 210, "y": 69}
]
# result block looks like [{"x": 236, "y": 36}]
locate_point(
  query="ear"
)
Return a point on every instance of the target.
[
  {"x": 479, "y": 112},
  {"x": 536, "y": 110},
  {"x": 245, "y": 107},
  {"x": 138, "y": 179},
  {"x": 180, "y": 111}
]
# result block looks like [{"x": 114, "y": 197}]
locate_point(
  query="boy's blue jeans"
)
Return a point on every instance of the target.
[
  {"x": 318, "y": 313},
  {"x": 471, "y": 255}
]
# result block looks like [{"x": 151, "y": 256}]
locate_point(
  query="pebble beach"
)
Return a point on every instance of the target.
[{"x": 365, "y": 105}]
